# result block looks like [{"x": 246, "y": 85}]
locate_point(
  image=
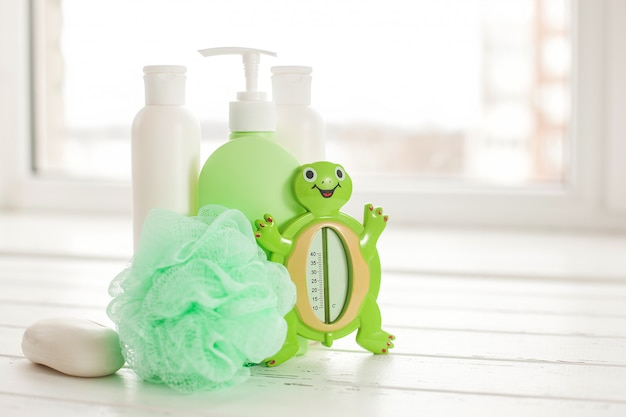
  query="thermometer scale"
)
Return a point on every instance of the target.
[{"x": 327, "y": 275}]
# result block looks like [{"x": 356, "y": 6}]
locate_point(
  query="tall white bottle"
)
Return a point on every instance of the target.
[
  {"x": 299, "y": 127},
  {"x": 165, "y": 147}
]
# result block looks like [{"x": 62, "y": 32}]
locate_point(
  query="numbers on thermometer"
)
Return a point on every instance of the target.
[{"x": 327, "y": 275}]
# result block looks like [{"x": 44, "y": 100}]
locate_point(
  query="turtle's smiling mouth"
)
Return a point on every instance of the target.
[{"x": 326, "y": 193}]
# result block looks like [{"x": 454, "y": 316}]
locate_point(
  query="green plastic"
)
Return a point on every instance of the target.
[
  {"x": 323, "y": 188},
  {"x": 250, "y": 173}
]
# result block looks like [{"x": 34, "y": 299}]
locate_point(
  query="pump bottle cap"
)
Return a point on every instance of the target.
[
  {"x": 291, "y": 85},
  {"x": 165, "y": 84},
  {"x": 251, "y": 112}
]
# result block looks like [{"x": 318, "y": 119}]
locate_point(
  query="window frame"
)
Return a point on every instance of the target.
[{"x": 594, "y": 197}]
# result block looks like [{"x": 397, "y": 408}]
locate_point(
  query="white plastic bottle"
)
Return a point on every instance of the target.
[
  {"x": 165, "y": 147},
  {"x": 299, "y": 127}
]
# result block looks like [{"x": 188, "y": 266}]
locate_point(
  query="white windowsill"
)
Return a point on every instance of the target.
[{"x": 449, "y": 251}]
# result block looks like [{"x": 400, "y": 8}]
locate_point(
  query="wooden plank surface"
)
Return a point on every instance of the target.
[
  {"x": 471, "y": 345},
  {"x": 279, "y": 396}
]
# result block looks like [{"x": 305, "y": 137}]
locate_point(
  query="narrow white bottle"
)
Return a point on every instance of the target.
[
  {"x": 299, "y": 127},
  {"x": 165, "y": 148}
]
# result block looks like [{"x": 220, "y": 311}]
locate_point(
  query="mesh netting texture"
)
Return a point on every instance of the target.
[{"x": 200, "y": 301}]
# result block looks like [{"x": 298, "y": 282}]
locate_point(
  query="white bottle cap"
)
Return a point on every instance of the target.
[
  {"x": 165, "y": 84},
  {"x": 291, "y": 85},
  {"x": 252, "y": 112}
]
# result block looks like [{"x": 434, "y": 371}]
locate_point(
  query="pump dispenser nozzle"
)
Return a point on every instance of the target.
[
  {"x": 251, "y": 112},
  {"x": 251, "y": 58}
]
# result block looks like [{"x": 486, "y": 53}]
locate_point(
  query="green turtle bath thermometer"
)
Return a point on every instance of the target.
[{"x": 332, "y": 260}]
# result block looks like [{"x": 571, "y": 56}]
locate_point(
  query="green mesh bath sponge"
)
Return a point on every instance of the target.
[{"x": 200, "y": 300}]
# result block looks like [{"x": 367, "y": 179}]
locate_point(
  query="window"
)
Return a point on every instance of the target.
[
  {"x": 433, "y": 105},
  {"x": 479, "y": 92}
]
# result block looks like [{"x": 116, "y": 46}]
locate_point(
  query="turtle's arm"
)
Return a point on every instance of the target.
[
  {"x": 374, "y": 223},
  {"x": 268, "y": 236}
]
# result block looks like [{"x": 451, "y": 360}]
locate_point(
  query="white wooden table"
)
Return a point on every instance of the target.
[{"x": 487, "y": 324}]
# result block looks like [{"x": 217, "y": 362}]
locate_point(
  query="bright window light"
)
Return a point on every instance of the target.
[{"x": 455, "y": 90}]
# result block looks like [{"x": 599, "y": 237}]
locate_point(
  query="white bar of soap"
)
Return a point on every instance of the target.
[{"x": 76, "y": 347}]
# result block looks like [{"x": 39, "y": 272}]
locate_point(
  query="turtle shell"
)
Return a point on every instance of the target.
[{"x": 331, "y": 287}]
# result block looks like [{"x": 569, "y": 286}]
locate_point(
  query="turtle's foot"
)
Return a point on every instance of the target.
[
  {"x": 374, "y": 222},
  {"x": 378, "y": 342},
  {"x": 284, "y": 354},
  {"x": 268, "y": 236}
]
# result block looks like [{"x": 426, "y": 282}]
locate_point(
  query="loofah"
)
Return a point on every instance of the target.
[{"x": 200, "y": 301}]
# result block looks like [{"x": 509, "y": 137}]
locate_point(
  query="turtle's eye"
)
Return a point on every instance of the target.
[
  {"x": 340, "y": 173},
  {"x": 309, "y": 174}
]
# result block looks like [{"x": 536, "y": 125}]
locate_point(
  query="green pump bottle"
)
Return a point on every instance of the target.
[{"x": 251, "y": 172}]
